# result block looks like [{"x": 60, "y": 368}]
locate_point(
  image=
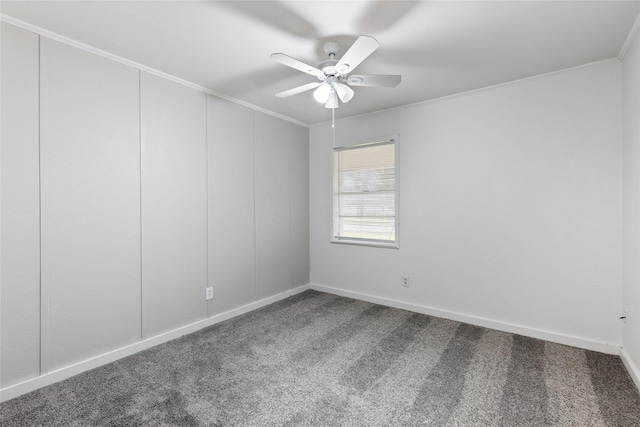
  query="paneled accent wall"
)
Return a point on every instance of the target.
[
  {"x": 273, "y": 203},
  {"x": 631, "y": 207},
  {"x": 232, "y": 272},
  {"x": 174, "y": 205},
  {"x": 139, "y": 192},
  {"x": 20, "y": 245},
  {"x": 90, "y": 189},
  {"x": 299, "y": 190}
]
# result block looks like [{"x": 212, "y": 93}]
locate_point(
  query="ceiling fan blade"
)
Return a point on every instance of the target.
[
  {"x": 297, "y": 90},
  {"x": 358, "y": 52},
  {"x": 298, "y": 65},
  {"x": 374, "y": 80}
]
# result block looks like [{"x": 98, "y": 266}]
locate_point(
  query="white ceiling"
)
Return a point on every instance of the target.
[{"x": 439, "y": 47}]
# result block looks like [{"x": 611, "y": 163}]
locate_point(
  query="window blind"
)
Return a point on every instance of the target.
[{"x": 364, "y": 202}]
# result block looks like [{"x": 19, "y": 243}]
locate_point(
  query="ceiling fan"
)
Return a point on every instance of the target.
[{"x": 333, "y": 75}]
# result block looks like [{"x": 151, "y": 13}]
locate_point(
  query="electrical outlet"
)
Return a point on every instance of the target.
[
  {"x": 405, "y": 281},
  {"x": 209, "y": 294}
]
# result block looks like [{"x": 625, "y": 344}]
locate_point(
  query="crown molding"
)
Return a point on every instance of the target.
[
  {"x": 597, "y": 64},
  {"x": 71, "y": 42},
  {"x": 630, "y": 37}
]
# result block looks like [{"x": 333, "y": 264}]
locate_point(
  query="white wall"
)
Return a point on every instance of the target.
[
  {"x": 148, "y": 195},
  {"x": 174, "y": 204},
  {"x": 90, "y": 216},
  {"x": 232, "y": 246},
  {"x": 299, "y": 186},
  {"x": 275, "y": 253},
  {"x": 631, "y": 205},
  {"x": 20, "y": 244},
  {"x": 509, "y": 207},
  {"x": 264, "y": 215}
]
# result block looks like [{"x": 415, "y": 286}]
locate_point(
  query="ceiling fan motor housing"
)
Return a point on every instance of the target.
[{"x": 329, "y": 67}]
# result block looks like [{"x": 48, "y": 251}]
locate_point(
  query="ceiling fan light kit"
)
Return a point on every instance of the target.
[
  {"x": 332, "y": 102},
  {"x": 321, "y": 94},
  {"x": 345, "y": 93},
  {"x": 333, "y": 75}
]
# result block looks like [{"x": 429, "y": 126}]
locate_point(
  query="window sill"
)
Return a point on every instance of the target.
[{"x": 392, "y": 245}]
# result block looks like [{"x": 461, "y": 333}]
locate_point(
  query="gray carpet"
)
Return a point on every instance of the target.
[{"x": 321, "y": 360}]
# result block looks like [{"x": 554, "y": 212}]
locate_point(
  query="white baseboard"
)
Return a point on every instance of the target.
[
  {"x": 478, "y": 321},
  {"x": 97, "y": 361},
  {"x": 632, "y": 368}
]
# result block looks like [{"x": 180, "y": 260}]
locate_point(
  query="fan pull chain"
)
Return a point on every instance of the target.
[{"x": 333, "y": 126}]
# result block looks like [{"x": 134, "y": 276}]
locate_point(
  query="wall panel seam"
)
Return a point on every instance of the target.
[
  {"x": 140, "y": 201},
  {"x": 40, "y": 203},
  {"x": 255, "y": 213},
  {"x": 206, "y": 159},
  {"x": 44, "y": 258}
]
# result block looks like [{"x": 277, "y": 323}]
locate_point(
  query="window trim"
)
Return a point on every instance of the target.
[{"x": 358, "y": 241}]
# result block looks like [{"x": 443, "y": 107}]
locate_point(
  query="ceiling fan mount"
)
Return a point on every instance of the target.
[
  {"x": 333, "y": 76},
  {"x": 331, "y": 49}
]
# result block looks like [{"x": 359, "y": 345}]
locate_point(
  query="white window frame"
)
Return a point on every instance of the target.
[{"x": 367, "y": 242}]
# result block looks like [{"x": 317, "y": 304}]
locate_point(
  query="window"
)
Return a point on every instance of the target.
[{"x": 365, "y": 194}]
